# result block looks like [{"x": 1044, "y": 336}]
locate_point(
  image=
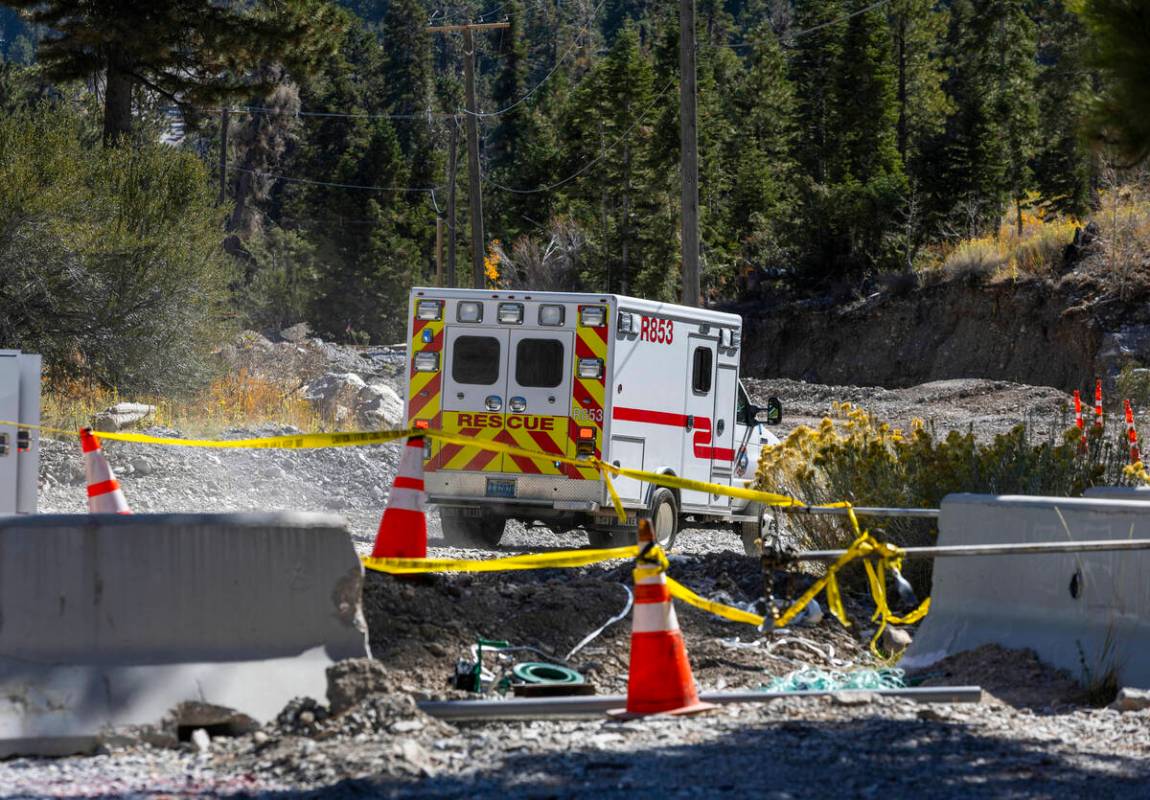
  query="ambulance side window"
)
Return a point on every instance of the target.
[
  {"x": 701, "y": 370},
  {"x": 539, "y": 363},
  {"x": 475, "y": 360}
]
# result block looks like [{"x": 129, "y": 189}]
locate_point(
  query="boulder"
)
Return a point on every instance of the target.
[
  {"x": 379, "y": 406},
  {"x": 334, "y": 393},
  {"x": 297, "y": 333},
  {"x": 1130, "y": 699}
]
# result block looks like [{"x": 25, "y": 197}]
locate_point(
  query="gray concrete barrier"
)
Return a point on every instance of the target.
[
  {"x": 1087, "y": 613},
  {"x": 1119, "y": 493},
  {"x": 109, "y": 621}
]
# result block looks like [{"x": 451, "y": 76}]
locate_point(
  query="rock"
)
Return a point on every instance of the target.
[
  {"x": 333, "y": 392},
  {"x": 141, "y": 466},
  {"x": 1130, "y": 699},
  {"x": 352, "y": 680},
  {"x": 201, "y": 740},
  {"x": 379, "y": 406},
  {"x": 852, "y": 698},
  {"x": 121, "y": 416},
  {"x": 296, "y": 334},
  {"x": 895, "y": 640},
  {"x": 259, "y": 737}
]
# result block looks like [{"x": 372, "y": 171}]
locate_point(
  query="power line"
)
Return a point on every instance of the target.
[
  {"x": 586, "y": 29},
  {"x": 337, "y": 114},
  {"x": 289, "y": 179},
  {"x": 593, "y": 161},
  {"x": 814, "y": 28}
]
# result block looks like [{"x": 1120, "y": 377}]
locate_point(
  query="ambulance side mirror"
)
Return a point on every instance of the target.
[{"x": 774, "y": 411}]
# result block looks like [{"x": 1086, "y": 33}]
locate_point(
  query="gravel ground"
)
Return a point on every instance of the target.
[{"x": 1044, "y": 745}]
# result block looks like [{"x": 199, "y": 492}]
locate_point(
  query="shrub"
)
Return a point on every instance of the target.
[
  {"x": 110, "y": 259},
  {"x": 856, "y": 457}
]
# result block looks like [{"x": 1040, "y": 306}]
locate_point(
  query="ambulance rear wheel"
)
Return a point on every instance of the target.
[
  {"x": 482, "y": 532},
  {"x": 752, "y": 533},
  {"x": 665, "y": 517}
]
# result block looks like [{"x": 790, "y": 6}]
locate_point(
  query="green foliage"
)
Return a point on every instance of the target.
[
  {"x": 1121, "y": 33},
  {"x": 193, "y": 52},
  {"x": 110, "y": 263}
]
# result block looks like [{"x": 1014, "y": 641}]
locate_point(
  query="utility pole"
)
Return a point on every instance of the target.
[
  {"x": 474, "y": 189},
  {"x": 451, "y": 213},
  {"x": 223, "y": 156},
  {"x": 689, "y": 154},
  {"x": 439, "y": 252}
]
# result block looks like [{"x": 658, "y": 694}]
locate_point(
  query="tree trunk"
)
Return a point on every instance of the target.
[{"x": 117, "y": 104}]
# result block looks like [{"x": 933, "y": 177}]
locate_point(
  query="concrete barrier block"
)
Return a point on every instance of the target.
[
  {"x": 1087, "y": 613},
  {"x": 112, "y": 621}
]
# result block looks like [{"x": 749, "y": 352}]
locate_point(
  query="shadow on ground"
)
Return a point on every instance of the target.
[{"x": 858, "y": 758}]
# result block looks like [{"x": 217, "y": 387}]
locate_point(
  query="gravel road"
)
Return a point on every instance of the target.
[{"x": 1049, "y": 745}]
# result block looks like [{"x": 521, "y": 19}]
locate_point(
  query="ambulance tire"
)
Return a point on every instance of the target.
[
  {"x": 752, "y": 532},
  {"x": 480, "y": 532},
  {"x": 664, "y": 511}
]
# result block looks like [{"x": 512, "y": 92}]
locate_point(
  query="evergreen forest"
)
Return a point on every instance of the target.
[{"x": 308, "y": 160}]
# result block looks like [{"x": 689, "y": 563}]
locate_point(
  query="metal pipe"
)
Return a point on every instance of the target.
[
  {"x": 864, "y": 511},
  {"x": 597, "y": 705},
  {"x": 1012, "y": 549}
]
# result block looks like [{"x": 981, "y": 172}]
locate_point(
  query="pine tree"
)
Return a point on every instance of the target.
[
  {"x": 917, "y": 30},
  {"x": 813, "y": 71},
  {"x": 763, "y": 196},
  {"x": 1063, "y": 165},
  {"x": 990, "y": 136},
  {"x": 1121, "y": 34},
  {"x": 407, "y": 89},
  {"x": 192, "y": 52}
]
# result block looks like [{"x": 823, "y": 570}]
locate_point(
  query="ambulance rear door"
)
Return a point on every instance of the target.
[
  {"x": 474, "y": 394},
  {"x": 538, "y": 398}
]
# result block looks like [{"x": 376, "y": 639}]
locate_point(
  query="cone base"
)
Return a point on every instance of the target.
[{"x": 623, "y": 714}]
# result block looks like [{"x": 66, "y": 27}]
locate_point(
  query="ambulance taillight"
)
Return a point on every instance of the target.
[{"x": 585, "y": 442}]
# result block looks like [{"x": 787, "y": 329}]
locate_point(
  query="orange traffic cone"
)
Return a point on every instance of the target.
[
  {"x": 659, "y": 679},
  {"x": 1098, "y": 403},
  {"x": 1132, "y": 434},
  {"x": 403, "y": 529},
  {"x": 104, "y": 495}
]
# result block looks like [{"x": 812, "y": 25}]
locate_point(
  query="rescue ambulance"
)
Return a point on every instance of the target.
[{"x": 636, "y": 383}]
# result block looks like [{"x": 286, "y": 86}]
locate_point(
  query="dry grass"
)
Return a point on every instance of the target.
[
  {"x": 1008, "y": 255},
  {"x": 233, "y": 400}
]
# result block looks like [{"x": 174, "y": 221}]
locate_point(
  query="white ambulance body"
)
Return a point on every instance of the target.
[{"x": 641, "y": 384}]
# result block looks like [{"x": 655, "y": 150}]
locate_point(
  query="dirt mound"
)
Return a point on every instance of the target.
[
  {"x": 1015, "y": 677},
  {"x": 419, "y": 628}
]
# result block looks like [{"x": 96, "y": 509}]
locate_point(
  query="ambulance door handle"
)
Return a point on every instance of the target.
[
  {"x": 720, "y": 426},
  {"x": 690, "y": 421},
  {"x": 493, "y": 402}
]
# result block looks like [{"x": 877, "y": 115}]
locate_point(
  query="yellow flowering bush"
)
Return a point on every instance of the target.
[{"x": 854, "y": 456}]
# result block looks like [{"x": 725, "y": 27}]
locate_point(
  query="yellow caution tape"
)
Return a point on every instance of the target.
[
  {"x": 718, "y": 609},
  {"x": 301, "y": 441},
  {"x": 564, "y": 559},
  {"x": 864, "y": 545}
]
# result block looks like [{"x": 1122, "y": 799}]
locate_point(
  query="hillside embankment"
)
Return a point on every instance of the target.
[{"x": 1032, "y": 332}]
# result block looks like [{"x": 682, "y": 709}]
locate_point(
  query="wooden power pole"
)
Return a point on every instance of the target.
[
  {"x": 689, "y": 154},
  {"x": 451, "y": 213},
  {"x": 475, "y": 191}
]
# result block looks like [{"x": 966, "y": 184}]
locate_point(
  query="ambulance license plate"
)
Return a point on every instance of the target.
[{"x": 500, "y": 487}]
